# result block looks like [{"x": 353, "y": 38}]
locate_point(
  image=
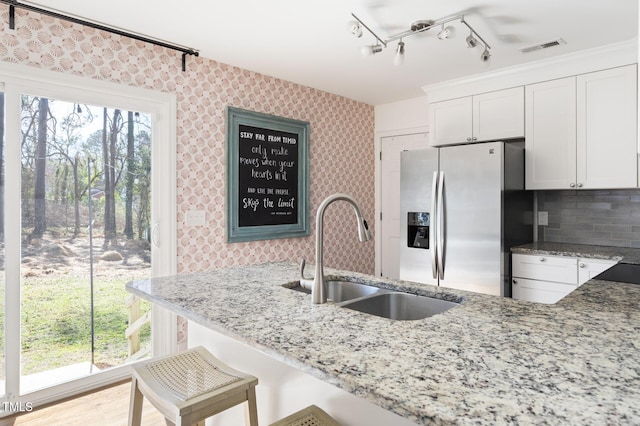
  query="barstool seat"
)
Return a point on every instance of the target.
[
  {"x": 310, "y": 416},
  {"x": 189, "y": 387}
]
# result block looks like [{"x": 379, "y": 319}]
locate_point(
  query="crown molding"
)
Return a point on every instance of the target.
[{"x": 585, "y": 61}]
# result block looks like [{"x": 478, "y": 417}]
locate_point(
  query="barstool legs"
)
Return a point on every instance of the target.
[
  {"x": 135, "y": 404},
  {"x": 251, "y": 415}
]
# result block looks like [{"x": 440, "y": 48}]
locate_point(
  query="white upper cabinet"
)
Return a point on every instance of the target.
[
  {"x": 499, "y": 115},
  {"x": 581, "y": 132},
  {"x": 451, "y": 121},
  {"x": 550, "y": 134},
  {"x": 607, "y": 153},
  {"x": 489, "y": 116}
]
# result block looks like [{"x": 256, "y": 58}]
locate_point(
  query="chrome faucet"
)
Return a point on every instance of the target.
[{"x": 317, "y": 283}]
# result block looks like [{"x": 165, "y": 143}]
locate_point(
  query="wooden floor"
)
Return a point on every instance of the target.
[{"x": 104, "y": 408}]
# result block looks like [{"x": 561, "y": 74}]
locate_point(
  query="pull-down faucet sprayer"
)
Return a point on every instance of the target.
[{"x": 317, "y": 283}]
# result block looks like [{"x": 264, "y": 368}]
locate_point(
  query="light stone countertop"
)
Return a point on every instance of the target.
[
  {"x": 489, "y": 361},
  {"x": 620, "y": 254}
]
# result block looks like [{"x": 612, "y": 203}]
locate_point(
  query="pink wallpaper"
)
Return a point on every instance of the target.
[{"x": 341, "y": 141}]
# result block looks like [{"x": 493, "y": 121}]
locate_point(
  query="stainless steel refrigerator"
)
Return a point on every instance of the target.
[{"x": 462, "y": 209}]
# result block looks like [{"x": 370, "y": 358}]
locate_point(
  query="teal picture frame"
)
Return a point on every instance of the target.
[{"x": 267, "y": 176}]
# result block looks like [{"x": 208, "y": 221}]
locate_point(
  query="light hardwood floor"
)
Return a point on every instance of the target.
[{"x": 108, "y": 407}]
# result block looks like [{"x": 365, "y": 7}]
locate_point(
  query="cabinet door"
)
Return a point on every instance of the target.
[
  {"x": 499, "y": 115},
  {"x": 539, "y": 291},
  {"x": 451, "y": 121},
  {"x": 560, "y": 269},
  {"x": 607, "y": 150},
  {"x": 589, "y": 268},
  {"x": 550, "y": 134}
]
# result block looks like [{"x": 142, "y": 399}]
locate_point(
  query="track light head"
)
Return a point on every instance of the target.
[
  {"x": 371, "y": 50},
  {"x": 399, "y": 58},
  {"x": 446, "y": 32},
  {"x": 486, "y": 55},
  {"x": 471, "y": 41},
  {"x": 355, "y": 28}
]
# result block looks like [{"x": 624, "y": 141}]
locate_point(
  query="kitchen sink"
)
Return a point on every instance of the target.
[
  {"x": 381, "y": 302},
  {"x": 401, "y": 306},
  {"x": 341, "y": 291}
]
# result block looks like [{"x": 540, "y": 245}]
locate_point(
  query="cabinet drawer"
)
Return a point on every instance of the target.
[
  {"x": 539, "y": 291},
  {"x": 546, "y": 268}
]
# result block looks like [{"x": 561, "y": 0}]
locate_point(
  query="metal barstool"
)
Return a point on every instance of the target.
[{"x": 189, "y": 387}]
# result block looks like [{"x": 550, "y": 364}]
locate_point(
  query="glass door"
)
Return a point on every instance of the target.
[
  {"x": 83, "y": 211},
  {"x": 85, "y": 232}
]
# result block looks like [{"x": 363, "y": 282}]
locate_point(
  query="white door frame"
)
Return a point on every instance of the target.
[{"x": 21, "y": 79}]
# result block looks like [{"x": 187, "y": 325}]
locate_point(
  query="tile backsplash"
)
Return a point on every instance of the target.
[{"x": 597, "y": 217}]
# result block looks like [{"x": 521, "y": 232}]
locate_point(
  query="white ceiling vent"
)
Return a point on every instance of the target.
[{"x": 544, "y": 45}]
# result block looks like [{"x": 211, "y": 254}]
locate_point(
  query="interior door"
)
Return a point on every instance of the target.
[{"x": 391, "y": 147}]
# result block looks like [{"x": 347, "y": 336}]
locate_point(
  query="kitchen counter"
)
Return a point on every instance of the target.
[
  {"x": 489, "y": 361},
  {"x": 620, "y": 254}
]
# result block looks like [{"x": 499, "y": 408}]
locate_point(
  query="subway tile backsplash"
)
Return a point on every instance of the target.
[{"x": 598, "y": 217}]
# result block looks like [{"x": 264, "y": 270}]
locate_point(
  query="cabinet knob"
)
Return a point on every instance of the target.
[
  {"x": 469, "y": 139},
  {"x": 579, "y": 185},
  {"x": 515, "y": 281},
  {"x": 542, "y": 259},
  {"x": 474, "y": 138},
  {"x": 582, "y": 265},
  {"x": 572, "y": 185}
]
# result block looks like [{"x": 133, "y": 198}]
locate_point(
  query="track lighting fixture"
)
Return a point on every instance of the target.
[
  {"x": 399, "y": 58},
  {"x": 486, "y": 55},
  {"x": 446, "y": 32},
  {"x": 356, "y": 28},
  {"x": 371, "y": 50},
  {"x": 471, "y": 41}
]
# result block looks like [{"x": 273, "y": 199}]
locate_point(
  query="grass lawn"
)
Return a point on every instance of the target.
[{"x": 56, "y": 319}]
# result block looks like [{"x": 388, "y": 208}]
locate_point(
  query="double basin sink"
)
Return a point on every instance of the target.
[{"x": 382, "y": 302}]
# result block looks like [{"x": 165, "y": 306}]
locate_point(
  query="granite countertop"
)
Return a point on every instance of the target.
[
  {"x": 620, "y": 254},
  {"x": 489, "y": 361}
]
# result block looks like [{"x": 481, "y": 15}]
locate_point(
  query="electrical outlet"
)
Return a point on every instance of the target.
[
  {"x": 543, "y": 218},
  {"x": 195, "y": 218}
]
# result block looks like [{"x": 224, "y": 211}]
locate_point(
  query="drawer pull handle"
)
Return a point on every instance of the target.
[{"x": 542, "y": 259}]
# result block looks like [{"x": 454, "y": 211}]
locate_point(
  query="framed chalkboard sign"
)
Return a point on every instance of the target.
[{"x": 267, "y": 176}]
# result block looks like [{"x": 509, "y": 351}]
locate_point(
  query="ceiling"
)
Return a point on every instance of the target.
[{"x": 308, "y": 42}]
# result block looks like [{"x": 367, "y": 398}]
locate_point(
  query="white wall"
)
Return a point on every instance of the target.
[{"x": 401, "y": 116}]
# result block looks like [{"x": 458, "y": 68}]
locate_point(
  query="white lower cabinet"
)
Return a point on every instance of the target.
[
  {"x": 547, "y": 279},
  {"x": 543, "y": 279},
  {"x": 589, "y": 268},
  {"x": 540, "y": 291}
]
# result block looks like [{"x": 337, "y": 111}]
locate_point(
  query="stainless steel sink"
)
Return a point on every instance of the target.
[
  {"x": 381, "y": 302},
  {"x": 400, "y": 306},
  {"x": 341, "y": 291}
]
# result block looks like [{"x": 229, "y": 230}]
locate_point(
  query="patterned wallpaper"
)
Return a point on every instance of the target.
[{"x": 341, "y": 139}]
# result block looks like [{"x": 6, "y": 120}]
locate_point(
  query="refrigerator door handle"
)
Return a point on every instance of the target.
[
  {"x": 440, "y": 237},
  {"x": 434, "y": 225}
]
